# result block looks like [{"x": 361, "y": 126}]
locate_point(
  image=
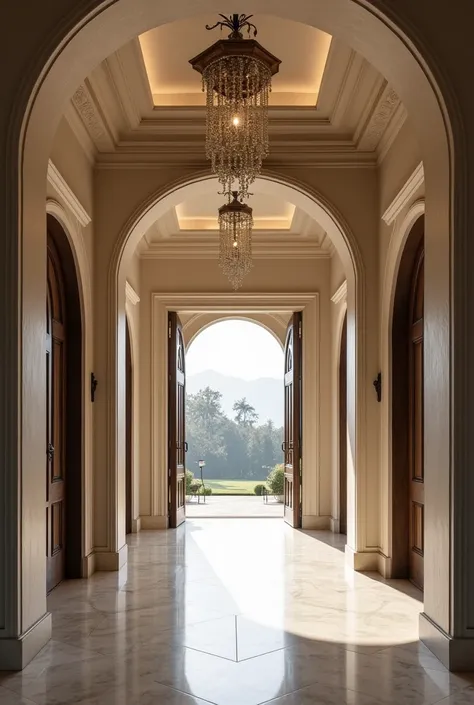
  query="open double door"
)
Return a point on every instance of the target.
[{"x": 177, "y": 445}]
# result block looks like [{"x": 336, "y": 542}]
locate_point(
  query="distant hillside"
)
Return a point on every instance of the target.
[{"x": 265, "y": 394}]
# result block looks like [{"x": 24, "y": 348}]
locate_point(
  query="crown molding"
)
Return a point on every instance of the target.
[
  {"x": 131, "y": 295},
  {"x": 380, "y": 116},
  {"x": 88, "y": 109},
  {"x": 405, "y": 195},
  {"x": 60, "y": 185},
  {"x": 340, "y": 295},
  {"x": 208, "y": 248}
]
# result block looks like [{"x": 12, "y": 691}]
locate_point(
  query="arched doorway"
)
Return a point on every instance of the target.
[
  {"x": 408, "y": 412},
  {"x": 343, "y": 429},
  {"x": 128, "y": 429},
  {"x": 63, "y": 411}
]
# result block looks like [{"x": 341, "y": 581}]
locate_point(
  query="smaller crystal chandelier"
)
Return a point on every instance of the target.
[
  {"x": 236, "y": 75},
  {"x": 235, "y": 233}
]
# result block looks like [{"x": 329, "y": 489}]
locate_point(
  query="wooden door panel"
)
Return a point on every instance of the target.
[
  {"x": 292, "y": 426},
  {"x": 416, "y": 487},
  {"x": 55, "y": 422},
  {"x": 177, "y": 445}
]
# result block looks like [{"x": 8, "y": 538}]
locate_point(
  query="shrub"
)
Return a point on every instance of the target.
[
  {"x": 259, "y": 490},
  {"x": 205, "y": 491},
  {"x": 276, "y": 480},
  {"x": 195, "y": 486},
  {"x": 189, "y": 479}
]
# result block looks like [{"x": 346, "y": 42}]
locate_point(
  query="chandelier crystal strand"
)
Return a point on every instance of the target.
[
  {"x": 237, "y": 91},
  {"x": 236, "y": 75},
  {"x": 235, "y": 240}
]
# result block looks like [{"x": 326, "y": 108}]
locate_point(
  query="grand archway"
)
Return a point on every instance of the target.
[{"x": 66, "y": 56}]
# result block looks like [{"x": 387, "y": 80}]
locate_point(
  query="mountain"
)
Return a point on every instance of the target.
[{"x": 264, "y": 394}]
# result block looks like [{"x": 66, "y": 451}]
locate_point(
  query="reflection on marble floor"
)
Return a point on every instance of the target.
[{"x": 235, "y": 612}]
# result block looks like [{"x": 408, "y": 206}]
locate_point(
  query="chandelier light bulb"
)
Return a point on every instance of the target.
[{"x": 236, "y": 121}]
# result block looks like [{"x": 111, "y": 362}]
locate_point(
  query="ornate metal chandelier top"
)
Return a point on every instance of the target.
[
  {"x": 235, "y": 245},
  {"x": 236, "y": 75}
]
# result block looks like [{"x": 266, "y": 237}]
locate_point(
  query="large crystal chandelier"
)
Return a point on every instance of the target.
[
  {"x": 236, "y": 75},
  {"x": 235, "y": 246}
]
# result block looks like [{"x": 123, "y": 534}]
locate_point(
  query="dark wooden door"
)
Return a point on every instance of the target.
[
  {"x": 177, "y": 445},
  {"x": 292, "y": 431},
  {"x": 128, "y": 431},
  {"x": 415, "y": 425},
  {"x": 343, "y": 430},
  {"x": 55, "y": 421}
]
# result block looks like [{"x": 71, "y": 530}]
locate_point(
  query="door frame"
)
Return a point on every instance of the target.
[
  {"x": 74, "y": 430},
  {"x": 240, "y": 304}
]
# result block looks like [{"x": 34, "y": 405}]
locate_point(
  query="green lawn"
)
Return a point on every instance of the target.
[{"x": 235, "y": 487}]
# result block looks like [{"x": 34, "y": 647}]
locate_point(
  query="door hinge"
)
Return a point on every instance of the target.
[
  {"x": 299, "y": 330},
  {"x": 169, "y": 330}
]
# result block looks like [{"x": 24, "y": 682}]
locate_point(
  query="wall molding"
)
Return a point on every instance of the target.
[
  {"x": 340, "y": 294},
  {"x": 131, "y": 295},
  {"x": 59, "y": 183},
  {"x": 404, "y": 196}
]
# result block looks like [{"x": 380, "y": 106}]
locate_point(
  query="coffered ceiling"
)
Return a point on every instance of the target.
[
  {"x": 144, "y": 105},
  {"x": 190, "y": 229},
  {"x": 166, "y": 50}
]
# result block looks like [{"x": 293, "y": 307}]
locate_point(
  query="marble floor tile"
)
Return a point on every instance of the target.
[{"x": 235, "y": 612}]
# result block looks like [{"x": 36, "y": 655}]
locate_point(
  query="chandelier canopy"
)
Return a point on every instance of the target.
[
  {"x": 235, "y": 240},
  {"x": 236, "y": 75}
]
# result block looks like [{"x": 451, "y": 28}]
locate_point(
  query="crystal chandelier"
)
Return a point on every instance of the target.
[
  {"x": 236, "y": 75},
  {"x": 235, "y": 234}
]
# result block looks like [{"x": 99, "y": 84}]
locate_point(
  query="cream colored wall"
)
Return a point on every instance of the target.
[{"x": 204, "y": 276}]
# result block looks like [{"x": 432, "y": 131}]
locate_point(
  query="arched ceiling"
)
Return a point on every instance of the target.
[
  {"x": 189, "y": 228},
  {"x": 144, "y": 104}
]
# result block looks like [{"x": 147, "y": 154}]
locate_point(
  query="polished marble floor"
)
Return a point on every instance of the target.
[
  {"x": 230, "y": 506},
  {"x": 235, "y": 612}
]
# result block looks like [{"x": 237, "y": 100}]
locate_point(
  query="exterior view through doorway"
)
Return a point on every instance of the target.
[{"x": 238, "y": 436}]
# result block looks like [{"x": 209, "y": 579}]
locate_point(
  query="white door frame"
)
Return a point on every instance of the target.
[{"x": 240, "y": 304}]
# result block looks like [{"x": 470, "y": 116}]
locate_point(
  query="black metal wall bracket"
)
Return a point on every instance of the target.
[
  {"x": 94, "y": 384},
  {"x": 378, "y": 386}
]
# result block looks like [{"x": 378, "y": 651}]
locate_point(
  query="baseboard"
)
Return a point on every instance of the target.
[
  {"x": 88, "y": 565},
  {"x": 455, "y": 653},
  {"x": 334, "y": 525},
  {"x": 362, "y": 560},
  {"x": 111, "y": 560},
  {"x": 136, "y": 525},
  {"x": 17, "y": 652},
  {"x": 384, "y": 565},
  {"x": 150, "y": 523},
  {"x": 315, "y": 523}
]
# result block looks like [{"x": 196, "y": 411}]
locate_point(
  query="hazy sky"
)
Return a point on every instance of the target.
[{"x": 238, "y": 349}]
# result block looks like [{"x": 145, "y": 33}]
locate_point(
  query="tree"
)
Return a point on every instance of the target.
[{"x": 245, "y": 414}]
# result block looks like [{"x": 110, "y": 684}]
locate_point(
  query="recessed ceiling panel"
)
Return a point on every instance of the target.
[
  {"x": 200, "y": 213},
  {"x": 166, "y": 50}
]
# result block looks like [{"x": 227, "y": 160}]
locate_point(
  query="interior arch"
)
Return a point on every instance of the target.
[{"x": 83, "y": 37}]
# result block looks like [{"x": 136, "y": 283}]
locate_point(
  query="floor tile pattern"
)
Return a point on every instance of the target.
[{"x": 235, "y": 612}]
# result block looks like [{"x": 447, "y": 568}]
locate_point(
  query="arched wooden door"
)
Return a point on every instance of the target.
[
  {"x": 293, "y": 417},
  {"x": 56, "y": 372},
  {"x": 343, "y": 430},
  {"x": 416, "y": 509},
  {"x": 177, "y": 445}
]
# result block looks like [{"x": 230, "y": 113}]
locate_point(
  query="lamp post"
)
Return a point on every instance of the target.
[{"x": 202, "y": 464}]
